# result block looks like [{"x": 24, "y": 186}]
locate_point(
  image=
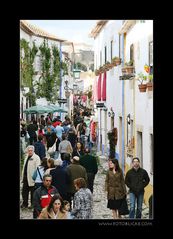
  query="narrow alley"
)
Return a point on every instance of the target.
[{"x": 86, "y": 94}]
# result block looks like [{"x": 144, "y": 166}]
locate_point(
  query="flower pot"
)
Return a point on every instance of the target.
[
  {"x": 129, "y": 69},
  {"x": 150, "y": 86},
  {"x": 142, "y": 87}
]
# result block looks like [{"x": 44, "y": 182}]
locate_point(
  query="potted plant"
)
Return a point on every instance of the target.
[
  {"x": 109, "y": 65},
  {"x": 116, "y": 61},
  {"x": 150, "y": 82},
  {"x": 101, "y": 69},
  {"x": 141, "y": 78},
  {"x": 97, "y": 72},
  {"x": 128, "y": 67}
]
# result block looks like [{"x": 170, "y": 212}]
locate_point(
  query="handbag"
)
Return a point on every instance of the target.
[
  {"x": 34, "y": 175},
  {"x": 27, "y": 135},
  {"x": 123, "y": 209},
  {"x": 51, "y": 150}
]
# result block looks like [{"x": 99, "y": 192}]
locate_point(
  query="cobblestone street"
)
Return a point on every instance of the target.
[{"x": 100, "y": 210}]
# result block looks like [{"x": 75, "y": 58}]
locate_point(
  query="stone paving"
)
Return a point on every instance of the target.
[{"x": 100, "y": 210}]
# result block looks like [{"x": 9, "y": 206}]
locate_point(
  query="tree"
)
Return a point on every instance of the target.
[{"x": 27, "y": 57}]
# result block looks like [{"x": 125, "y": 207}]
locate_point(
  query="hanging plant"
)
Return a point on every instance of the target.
[
  {"x": 113, "y": 137},
  {"x": 89, "y": 94}
]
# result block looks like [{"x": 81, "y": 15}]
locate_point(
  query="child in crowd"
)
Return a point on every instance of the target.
[{"x": 67, "y": 209}]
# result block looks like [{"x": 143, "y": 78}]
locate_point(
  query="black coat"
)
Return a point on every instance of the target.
[
  {"x": 40, "y": 149},
  {"x": 59, "y": 180},
  {"x": 89, "y": 162},
  {"x": 137, "y": 180}
]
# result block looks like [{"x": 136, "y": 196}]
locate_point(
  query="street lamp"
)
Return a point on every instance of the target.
[{"x": 76, "y": 74}]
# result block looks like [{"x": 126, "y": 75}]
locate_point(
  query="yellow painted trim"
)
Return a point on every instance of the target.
[{"x": 148, "y": 192}]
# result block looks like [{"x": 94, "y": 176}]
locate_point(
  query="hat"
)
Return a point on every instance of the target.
[{"x": 76, "y": 158}]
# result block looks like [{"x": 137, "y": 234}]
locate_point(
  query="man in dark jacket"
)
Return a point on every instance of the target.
[
  {"x": 32, "y": 128},
  {"x": 74, "y": 170},
  {"x": 136, "y": 180},
  {"x": 89, "y": 162},
  {"x": 59, "y": 179},
  {"x": 40, "y": 148},
  {"x": 43, "y": 195}
]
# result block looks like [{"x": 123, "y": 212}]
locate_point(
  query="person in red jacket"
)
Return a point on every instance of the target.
[{"x": 42, "y": 195}]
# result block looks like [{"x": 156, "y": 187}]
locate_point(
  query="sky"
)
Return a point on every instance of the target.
[{"x": 72, "y": 30}]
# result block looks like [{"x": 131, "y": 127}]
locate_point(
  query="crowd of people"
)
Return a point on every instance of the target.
[{"x": 59, "y": 170}]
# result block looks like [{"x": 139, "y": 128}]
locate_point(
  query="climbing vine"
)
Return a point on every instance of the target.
[
  {"x": 48, "y": 83},
  {"x": 27, "y": 57}
]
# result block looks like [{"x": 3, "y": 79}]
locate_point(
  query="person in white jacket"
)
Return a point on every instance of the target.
[{"x": 31, "y": 162}]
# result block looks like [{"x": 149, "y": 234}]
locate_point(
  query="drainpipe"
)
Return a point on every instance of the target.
[{"x": 123, "y": 113}]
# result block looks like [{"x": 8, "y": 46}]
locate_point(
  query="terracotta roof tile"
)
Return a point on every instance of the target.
[{"x": 33, "y": 30}]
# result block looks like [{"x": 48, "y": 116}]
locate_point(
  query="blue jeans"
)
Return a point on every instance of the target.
[{"x": 133, "y": 199}]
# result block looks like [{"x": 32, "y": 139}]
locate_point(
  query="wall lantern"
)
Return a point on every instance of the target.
[
  {"x": 128, "y": 118},
  {"x": 111, "y": 113}
]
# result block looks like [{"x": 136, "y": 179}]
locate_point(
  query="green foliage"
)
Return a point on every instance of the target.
[
  {"x": 80, "y": 66},
  {"x": 48, "y": 84},
  {"x": 65, "y": 68},
  {"x": 27, "y": 67},
  {"x": 49, "y": 81},
  {"x": 130, "y": 63},
  {"x": 141, "y": 77},
  {"x": 89, "y": 94}
]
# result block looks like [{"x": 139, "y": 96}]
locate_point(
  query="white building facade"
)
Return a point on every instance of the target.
[{"x": 125, "y": 107}]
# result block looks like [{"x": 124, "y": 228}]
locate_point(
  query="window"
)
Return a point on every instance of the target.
[
  {"x": 119, "y": 45},
  {"x": 132, "y": 53},
  {"x": 105, "y": 54},
  {"x": 151, "y": 56},
  {"x": 111, "y": 49}
]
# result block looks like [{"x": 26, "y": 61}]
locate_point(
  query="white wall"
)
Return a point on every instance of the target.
[
  {"x": 140, "y": 35},
  {"x": 113, "y": 85}
]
